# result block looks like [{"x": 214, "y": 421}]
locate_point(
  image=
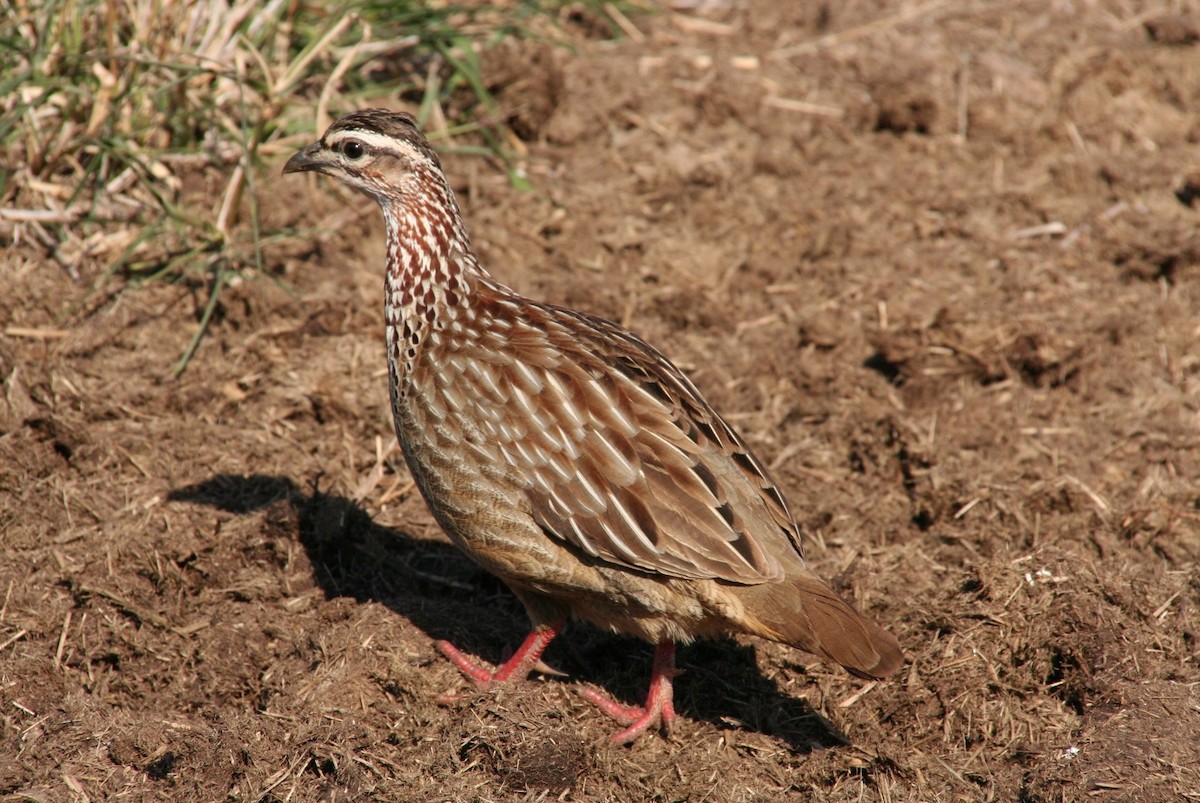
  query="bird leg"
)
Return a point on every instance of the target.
[
  {"x": 527, "y": 657},
  {"x": 658, "y": 710}
]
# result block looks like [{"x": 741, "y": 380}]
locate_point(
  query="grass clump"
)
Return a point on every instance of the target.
[{"x": 117, "y": 118}]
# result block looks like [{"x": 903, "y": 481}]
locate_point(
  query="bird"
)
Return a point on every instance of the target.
[{"x": 570, "y": 458}]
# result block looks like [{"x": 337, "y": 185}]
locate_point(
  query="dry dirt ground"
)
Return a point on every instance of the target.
[{"x": 938, "y": 262}]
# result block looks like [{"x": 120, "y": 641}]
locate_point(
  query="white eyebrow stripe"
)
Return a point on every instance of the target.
[{"x": 375, "y": 141}]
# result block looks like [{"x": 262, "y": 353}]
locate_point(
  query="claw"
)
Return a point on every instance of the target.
[{"x": 659, "y": 709}]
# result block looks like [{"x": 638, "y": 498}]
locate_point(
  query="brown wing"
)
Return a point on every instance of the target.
[{"x": 622, "y": 457}]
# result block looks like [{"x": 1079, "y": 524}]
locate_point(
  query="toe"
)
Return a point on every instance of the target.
[
  {"x": 478, "y": 674},
  {"x": 623, "y": 714}
]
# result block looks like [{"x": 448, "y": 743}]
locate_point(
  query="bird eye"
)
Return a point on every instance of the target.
[{"x": 353, "y": 149}]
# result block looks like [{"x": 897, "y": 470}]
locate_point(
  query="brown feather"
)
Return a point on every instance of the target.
[{"x": 806, "y": 613}]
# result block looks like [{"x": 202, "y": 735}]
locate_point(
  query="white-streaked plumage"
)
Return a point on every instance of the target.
[{"x": 569, "y": 457}]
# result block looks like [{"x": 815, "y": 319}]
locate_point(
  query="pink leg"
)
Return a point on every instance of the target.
[
  {"x": 658, "y": 708},
  {"x": 517, "y": 667}
]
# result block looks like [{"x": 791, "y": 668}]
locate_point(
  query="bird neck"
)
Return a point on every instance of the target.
[{"x": 430, "y": 263}]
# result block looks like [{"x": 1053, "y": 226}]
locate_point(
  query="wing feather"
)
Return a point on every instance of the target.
[{"x": 623, "y": 457}]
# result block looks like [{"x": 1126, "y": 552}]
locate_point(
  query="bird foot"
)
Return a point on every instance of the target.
[
  {"x": 639, "y": 719},
  {"x": 475, "y": 671},
  {"x": 659, "y": 709},
  {"x": 526, "y": 659}
]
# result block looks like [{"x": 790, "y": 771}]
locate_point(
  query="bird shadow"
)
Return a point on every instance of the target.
[{"x": 440, "y": 591}]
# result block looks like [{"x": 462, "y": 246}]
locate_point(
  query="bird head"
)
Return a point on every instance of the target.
[{"x": 377, "y": 152}]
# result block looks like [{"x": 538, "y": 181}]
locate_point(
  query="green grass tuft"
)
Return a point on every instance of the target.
[{"x": 113, "y": 113}]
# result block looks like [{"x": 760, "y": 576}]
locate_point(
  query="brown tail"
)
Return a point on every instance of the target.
[{"x": 805, "y": 612}]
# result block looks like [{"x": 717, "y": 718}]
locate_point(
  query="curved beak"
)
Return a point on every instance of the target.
[{"x": 308, "y": 159}]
